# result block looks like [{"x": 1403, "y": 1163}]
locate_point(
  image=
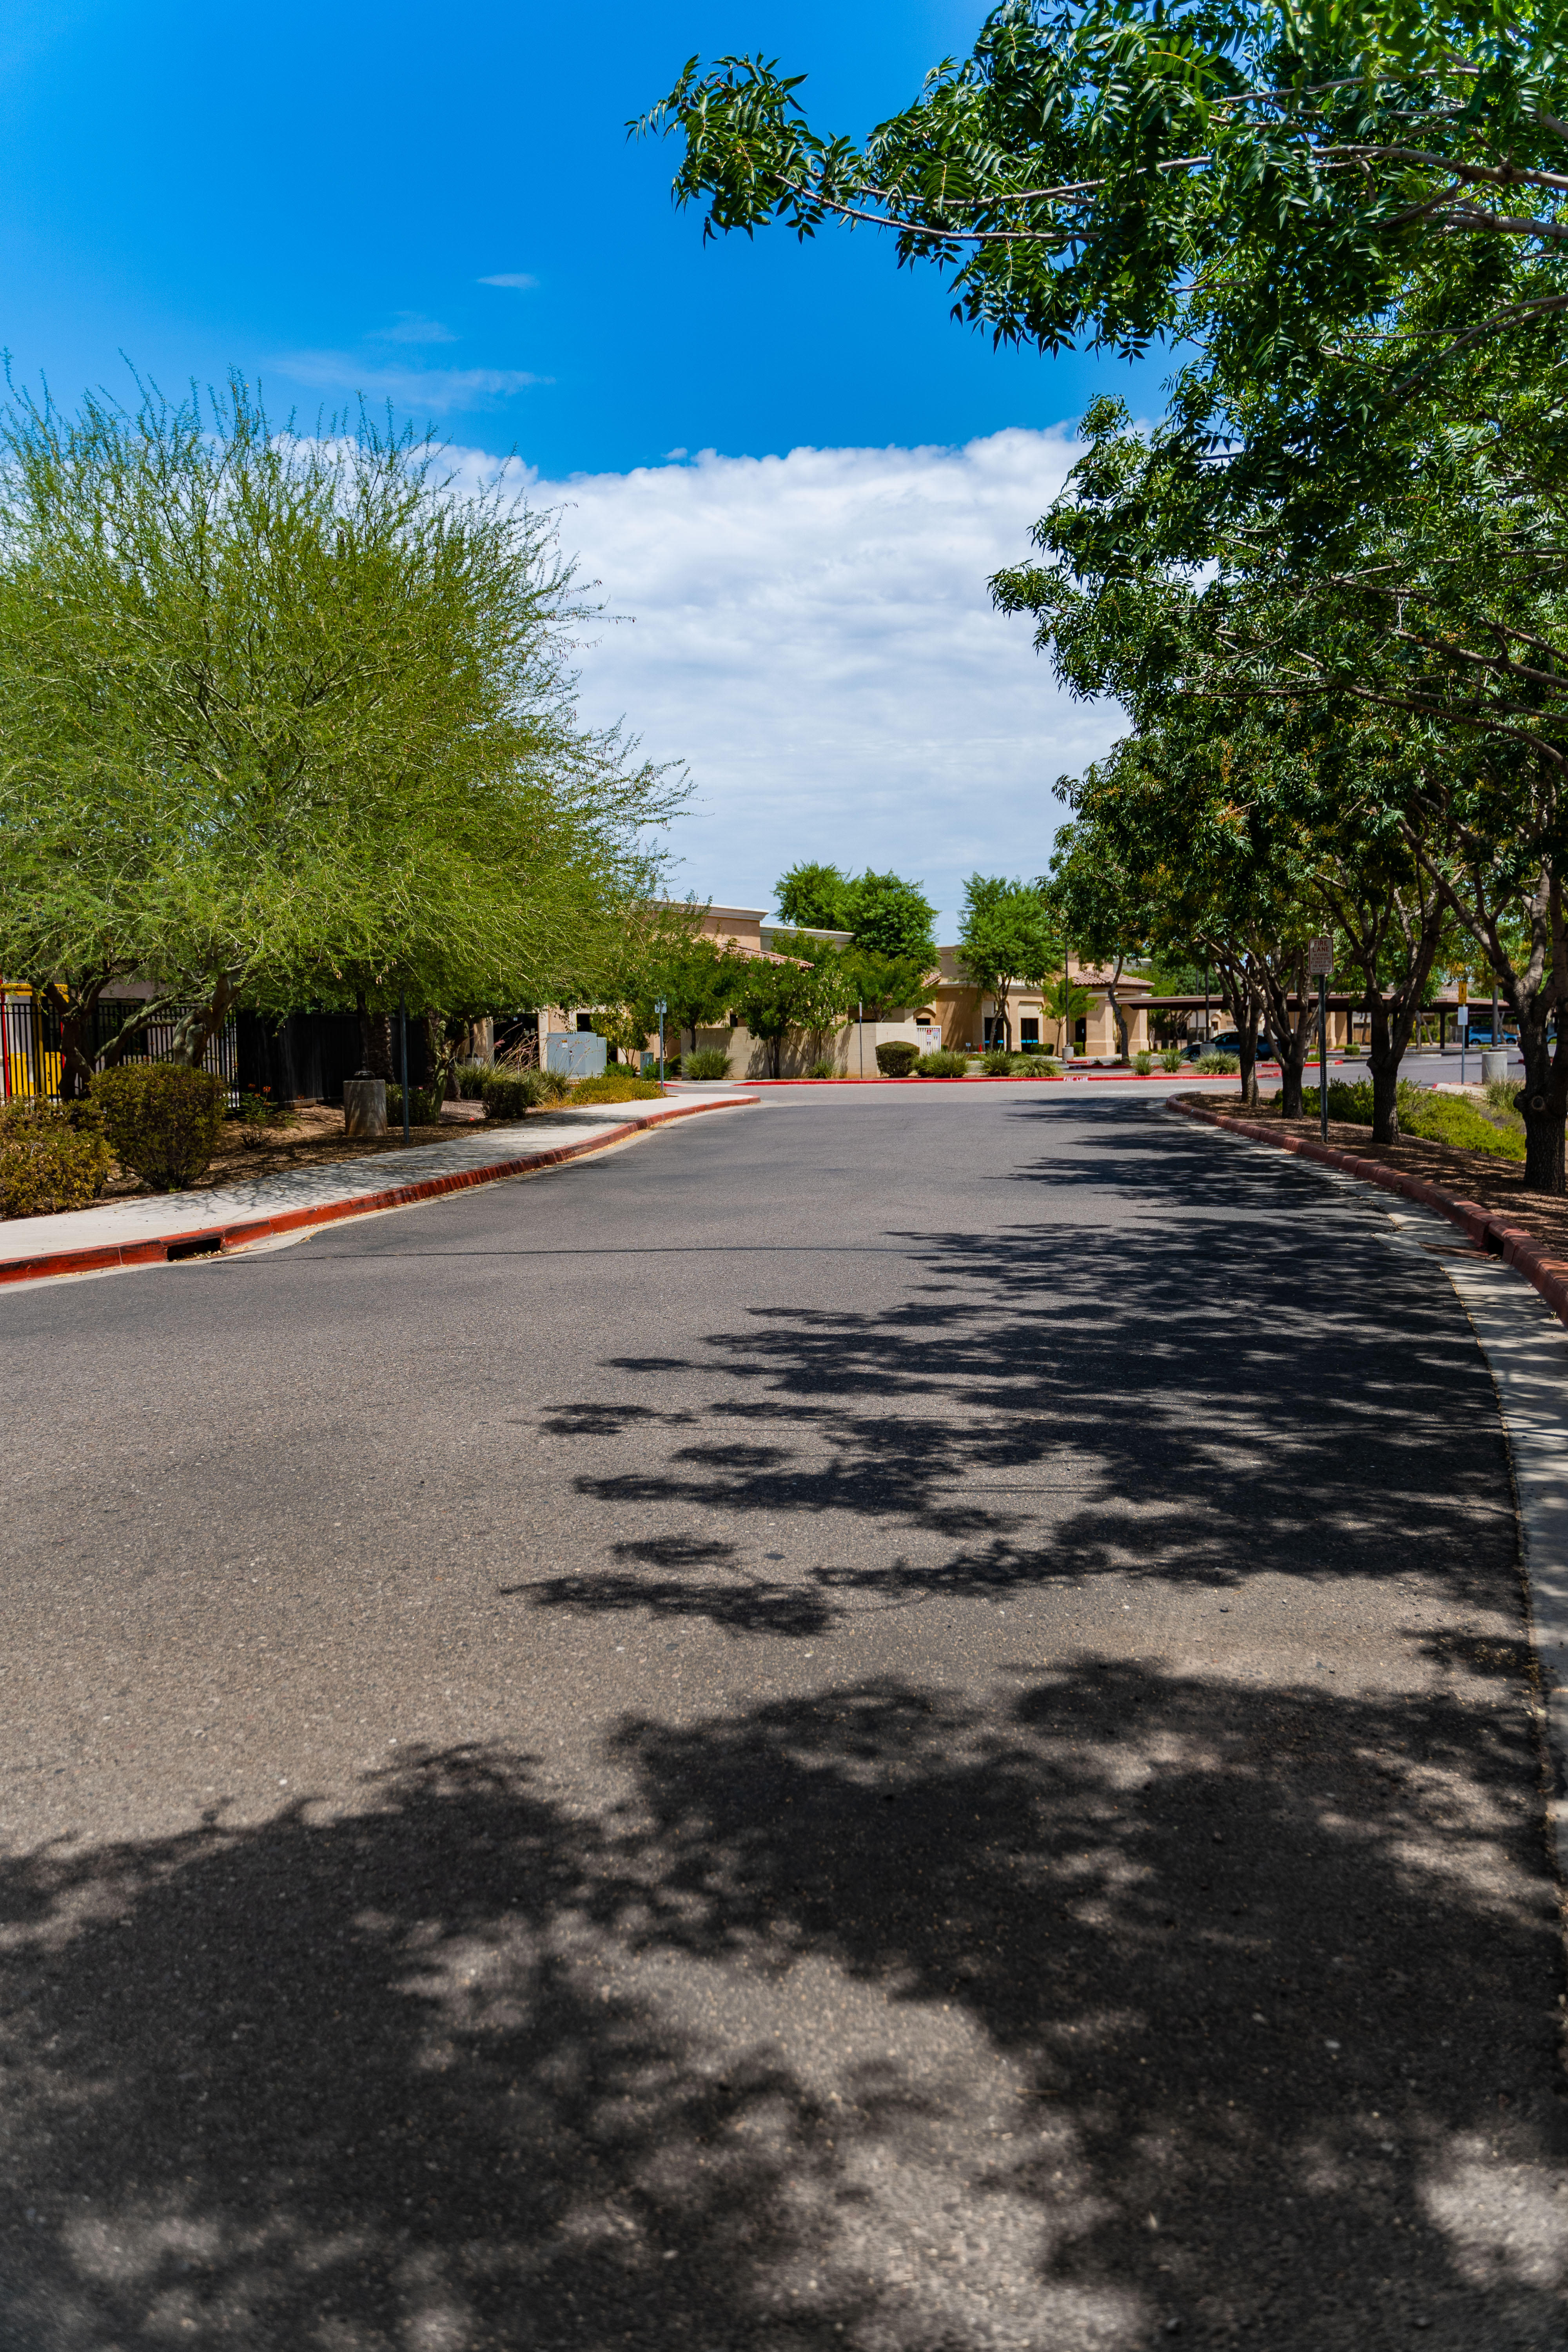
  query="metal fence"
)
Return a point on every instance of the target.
[{"x": 30, "y": 1030}]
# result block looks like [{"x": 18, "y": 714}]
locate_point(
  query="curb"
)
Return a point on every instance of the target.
[
  {"x": 1513, "y": 1244},
  {"x": 210, "y": 1241}
]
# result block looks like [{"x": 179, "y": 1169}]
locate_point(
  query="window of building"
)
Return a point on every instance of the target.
[
  {"x": 586, "y": 1023},
  {"x": 1028, "y": 1033}
]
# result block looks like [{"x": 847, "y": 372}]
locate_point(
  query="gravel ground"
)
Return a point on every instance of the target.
[{"x": 898, "y": 1723}]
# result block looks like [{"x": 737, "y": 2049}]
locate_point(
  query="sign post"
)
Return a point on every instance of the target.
[
  {"x": 1319, "y": 965},
  {"x": 1463, "y": 1017},
  {"x": 402, "y": 1046},
  {"x": 658, "y": 1008}
]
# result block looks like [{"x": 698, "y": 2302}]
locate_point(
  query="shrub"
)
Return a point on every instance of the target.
[
  {"x": 1142, "y": 1064},
  {"x": 1217, "y": 1066},
  {"x": 510, "y": 1093},
  {"x": 1429, "y": 1117},
  {"x": 616, "y": 1086},
  {"x": 260, "y": 1110},
  {"x": 51, "y": 1159},
  {"x": 998, "y": 1063},
  {"x": 470, "y": 1077},
  {"x": 1171, "y": 1059},
  {"x": 1500, "y": 1093},
  {"x": 941, "y": 1065},
  {"x": 162, "y": 1120},
  {"x": 424, "y": 1105},
  {"x": 714, "y": 1062},
  {"x": 898, "y": 1057},
  {"x": 823, "y": 1070}
]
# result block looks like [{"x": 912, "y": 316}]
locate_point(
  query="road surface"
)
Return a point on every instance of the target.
[{"x": 901, "y": 1722}]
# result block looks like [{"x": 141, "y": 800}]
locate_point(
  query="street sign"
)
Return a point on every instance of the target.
[
  {"x": 1463, "y": 1015},
  {"x": 660, "y": 1007},
  {"x": 1319, "y": 958},
  {"x": 1462, "y": 990}
]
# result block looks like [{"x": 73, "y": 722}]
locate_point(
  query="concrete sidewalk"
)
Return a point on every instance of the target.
[{"x": 151, "y": 1228}]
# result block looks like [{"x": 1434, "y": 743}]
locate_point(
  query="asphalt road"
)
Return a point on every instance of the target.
[{"x": 895, "y": 1721}]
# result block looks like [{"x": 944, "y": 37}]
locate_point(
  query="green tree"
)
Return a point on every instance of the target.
[
  {"x": 1009, "y": 936},
  {"x": 814, "y": 897},
  {"x": 290, "y": 722},
  {"x": 777, "y": 996},
  {"x": 892, "y": 917}
]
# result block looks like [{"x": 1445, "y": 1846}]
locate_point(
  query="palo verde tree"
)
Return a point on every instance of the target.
[{"x": 289, "y": 720}]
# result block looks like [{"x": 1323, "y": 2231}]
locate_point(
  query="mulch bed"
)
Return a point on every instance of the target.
[{"x": 1495, "y": 1185}]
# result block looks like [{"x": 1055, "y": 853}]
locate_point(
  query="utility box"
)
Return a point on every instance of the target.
[{"x": 576, "y": 1054}]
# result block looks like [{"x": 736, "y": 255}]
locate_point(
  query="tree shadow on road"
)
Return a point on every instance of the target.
[
  {"x": 868, "y": 2020},
  {"x": 1182, "y": 1398}
]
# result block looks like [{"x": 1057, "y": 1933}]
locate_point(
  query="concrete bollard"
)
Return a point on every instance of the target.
[
  {"x": 364, "y": 1105},
  {"x": 1493, "y": 1067}
]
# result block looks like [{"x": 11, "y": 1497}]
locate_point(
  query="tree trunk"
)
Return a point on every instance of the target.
[
  {"x": 375, "y": 1041},
  {"x": 1384, "y": 1056},
  {"x": 1542, "y": 1102},
  {"x": 1292, "y": 1051}
]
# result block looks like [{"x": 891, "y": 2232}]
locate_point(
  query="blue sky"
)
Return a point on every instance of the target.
[{"x": 317, "y": 197}]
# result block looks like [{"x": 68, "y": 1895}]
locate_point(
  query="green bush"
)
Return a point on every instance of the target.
[
  {"x": 51, "y": 1159},
  {"x": 714, "y": 1062},
  {"x": 162, "y": 1120},
  {"x": 998, "y": 1063},
  {"x": 1217, "y": 1066},
  {"x": 1500, "y": 1093},
  {"x": 510, "y": 1093},
  {"x": 1171, "y": 1059},
  {"x": 470, "y": 1077},
  {"x": 616, "y": 1086},
  {"x": 823, "y": 1070},
  {"x": 424, "y": 1107},
  {"x": 941, "y": 1065},
  {"x": 898, "y": 1057},
  {"x": 1143, "y": 1063},
  {"x": 1430, "y": 1118}
]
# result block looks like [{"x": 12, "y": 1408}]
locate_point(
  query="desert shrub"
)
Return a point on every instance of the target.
[
  {"x": 713, "y": 1062},
  {"x": 162, "y": 1120},
  {"x": 508, "y": 1094},
  {"x": 51, "y": 1160},
  {"x": 616, "y": 1086},
  {"x": 1142, "y": 1064},
  {"x": 941, "y": 1065},
  {"x": 898, "y": 1057},
  {"x": 1217, "y": 1066},
  {"x": 424, "y": 1105},
  {"x": 823, "y": 1070},
  {"x": 998, "y": 1063},
  {"x": 1430, "y": 1118},
  {"x": 470, "y": 1077},
  {"x": 1171, "y": 1059},
  {"x": 1500, "y": 1092}
]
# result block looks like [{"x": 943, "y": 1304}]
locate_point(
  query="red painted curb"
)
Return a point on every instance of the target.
[
  {"x": 203, "y": 1240},
  {"x": 1513, "y": 1244}
]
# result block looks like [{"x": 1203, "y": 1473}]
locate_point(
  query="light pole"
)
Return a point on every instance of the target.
[
  {"x": 1319, "y": 965},
  {"x": 658, "y": 1008},
  {"x": 403, "y": 1044}
]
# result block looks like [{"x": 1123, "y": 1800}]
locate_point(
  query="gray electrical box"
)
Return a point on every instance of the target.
[{"x": 576, "y": 1054}]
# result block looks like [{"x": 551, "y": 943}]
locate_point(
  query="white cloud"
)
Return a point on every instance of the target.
[
  {"x": 427, "y": 391},
  {"x": 517, "y": 279},
  {"x": 410, "y": 327},
  {"x": 814, "y": 636}
]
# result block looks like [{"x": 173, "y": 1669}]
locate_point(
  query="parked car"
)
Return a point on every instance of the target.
[{"x": 1228, "y": 1042}]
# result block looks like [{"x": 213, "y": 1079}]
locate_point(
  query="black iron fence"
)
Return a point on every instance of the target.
[{"x": 30, "y": 1034}]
